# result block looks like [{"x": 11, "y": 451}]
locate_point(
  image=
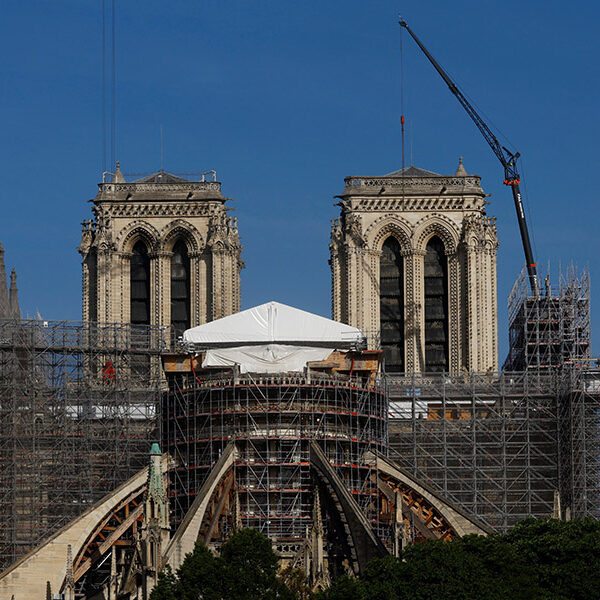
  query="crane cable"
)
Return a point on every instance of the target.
[{"x": 402, "y": 96}]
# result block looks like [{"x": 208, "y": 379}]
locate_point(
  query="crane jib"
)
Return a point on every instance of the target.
[{"x": 509, "y": 162}]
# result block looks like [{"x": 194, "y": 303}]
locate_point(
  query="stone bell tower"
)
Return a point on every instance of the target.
[
  {"x": 160, "y": 250},
  {"x": 413, "y": 262}
]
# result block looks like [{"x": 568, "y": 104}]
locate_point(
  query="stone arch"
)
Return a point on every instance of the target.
[
  {"x": 386, "y": 226},
  {"x": 436, "y": 225},
  {"x": 180, "y": 229},
  {"x": 135, "y": 231}
]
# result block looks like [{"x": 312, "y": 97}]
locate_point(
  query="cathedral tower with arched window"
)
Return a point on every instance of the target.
[
  {"x": 160, "y": 250},
  {"x": 413, "y": 262}
]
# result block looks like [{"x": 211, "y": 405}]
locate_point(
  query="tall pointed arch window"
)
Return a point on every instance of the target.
[
  {"x": 180, "y": 288},
  {"x": 436, "y": 307},
  {"x": 140, "y": 285},
  {"x": 391, "y": 305}
]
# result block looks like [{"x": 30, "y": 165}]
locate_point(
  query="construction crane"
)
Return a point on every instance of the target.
[{"x": 505, "y": 156}]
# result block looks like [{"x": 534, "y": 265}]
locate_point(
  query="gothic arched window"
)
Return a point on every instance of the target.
[
  {"x": 391, "y": 305},
  {"x": 140, "y": 285},
  {"x": 436, "y": 307},
  {"x": 180, "y": 288}
]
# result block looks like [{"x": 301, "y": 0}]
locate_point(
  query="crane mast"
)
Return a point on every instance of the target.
[{"x": 507, "y": 158}]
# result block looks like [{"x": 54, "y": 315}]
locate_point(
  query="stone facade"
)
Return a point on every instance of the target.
[
  {"x": 414, "y": 206},
  {"x": 160, "y": 211}
]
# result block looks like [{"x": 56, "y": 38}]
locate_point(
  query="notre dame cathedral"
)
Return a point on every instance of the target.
[
  {"x": 160, "y": 251},
  {"x": 413, "y": 261}
]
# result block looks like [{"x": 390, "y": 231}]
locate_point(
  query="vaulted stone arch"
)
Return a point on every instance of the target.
[
  {"x": 180, "y": 229},
  {"x": 440, "y": 226},
  {"x": 135, "y": 231},
  {"x": 385, "y": 226}
]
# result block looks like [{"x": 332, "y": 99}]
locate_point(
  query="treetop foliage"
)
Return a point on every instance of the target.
[
  {"x": 542, "y": 559},
  {"x": 537, "y": 560},
  {"x": 245, "y": 569}
]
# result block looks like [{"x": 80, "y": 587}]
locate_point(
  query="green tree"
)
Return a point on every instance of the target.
[
  {"x": 199, "y": 576},
  {"x": 166, "y": 588},
  {"x": 246, "y": 569},
  {"x": 565, "y": 556},
  {"x": 537, "y": 560},
  {"x": 249, "y": 566},
  {"x": 295, "y": 580}
]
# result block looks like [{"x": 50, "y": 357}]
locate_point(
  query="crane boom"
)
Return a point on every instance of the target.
[{"x": 507, "y": 158}]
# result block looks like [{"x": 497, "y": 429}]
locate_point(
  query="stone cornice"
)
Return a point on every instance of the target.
[
  {"x": 395, "y": 186},
  {"x": 160, "y": 188},
  {"x": 439, "y": 203},
  {"x": 160, "y": 209}
]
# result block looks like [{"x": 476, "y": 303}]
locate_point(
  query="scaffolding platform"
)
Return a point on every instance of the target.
[
  {"x": 78, "y": 411},
  {"x": 551, "y": 329},
  {"x": 500, "y": 445}
]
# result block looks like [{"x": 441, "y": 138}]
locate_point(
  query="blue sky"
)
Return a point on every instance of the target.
[{"x": 284, "y": 99}]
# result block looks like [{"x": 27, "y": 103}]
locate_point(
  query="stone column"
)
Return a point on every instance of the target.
[
  {"x": 454, "y": 312},
  {"x": 473, "y": 302},
  {"x": 197, "y": 289},
  {"x": 415, "y": 319},
  {"x": 238, "y": 281},
  {"x": 125, "y": 296},
  {"x": 372, "y": 302},
  {"x": 160, "y": 288},
  {"x": 104, "y": 284},
  {"x": 494, "y": 310},
  {"x": 353, "y": 284},
  {"x": 336, "y": 313},
  {"x": 217, "y": 282},
  {"x": 85, "y": 289}
]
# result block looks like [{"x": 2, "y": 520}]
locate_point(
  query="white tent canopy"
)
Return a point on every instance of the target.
[
  {"x": 276, "y": 323},
  {"x": 270, "y": 338}
]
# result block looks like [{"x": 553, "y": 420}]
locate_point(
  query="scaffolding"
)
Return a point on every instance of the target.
[
  {"x": 78, "y": 411},
  {"x": 500, "y": 445},
  {"x": 272, "y": 420},
  {"x": 551, "y": 329},
  {"x": 579, "y": 421}
]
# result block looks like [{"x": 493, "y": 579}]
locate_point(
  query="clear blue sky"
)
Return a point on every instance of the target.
[{"x": 284, "y": 99}]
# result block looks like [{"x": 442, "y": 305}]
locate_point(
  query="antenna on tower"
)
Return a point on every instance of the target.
[
  {"x": 402, "y": 95},
  {"x": 162, "y": 163},
  {"x": 109, "y": 85}
]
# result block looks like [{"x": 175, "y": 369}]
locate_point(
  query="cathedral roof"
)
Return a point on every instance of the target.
[
  {"x": 159, "y": 185},
  {"x": 413, "y": 171},
  {"x": 414, "y": 181},
  {"x": 161, "y": 177}
]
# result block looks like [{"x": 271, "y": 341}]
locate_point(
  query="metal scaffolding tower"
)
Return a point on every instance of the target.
[
  {"x": 487, "y": 442},
  {"x": 548, "y": 330},
  {"x": 500, "y": 445},
  {"x": 579, "y": 424},
  {"x": 78, "y": 411},
  {"x": 272, "y": 419}
]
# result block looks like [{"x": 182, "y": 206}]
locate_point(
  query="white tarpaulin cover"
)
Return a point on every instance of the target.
[
  {"x": 271, "y": 358},
  {"x": 273, "y": 322},
  {"x": 270, "y": 338}
]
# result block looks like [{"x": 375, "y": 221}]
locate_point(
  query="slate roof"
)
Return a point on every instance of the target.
[
  {"x": 413, "y": 172},
  {"x": 161, "y": 177}
]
